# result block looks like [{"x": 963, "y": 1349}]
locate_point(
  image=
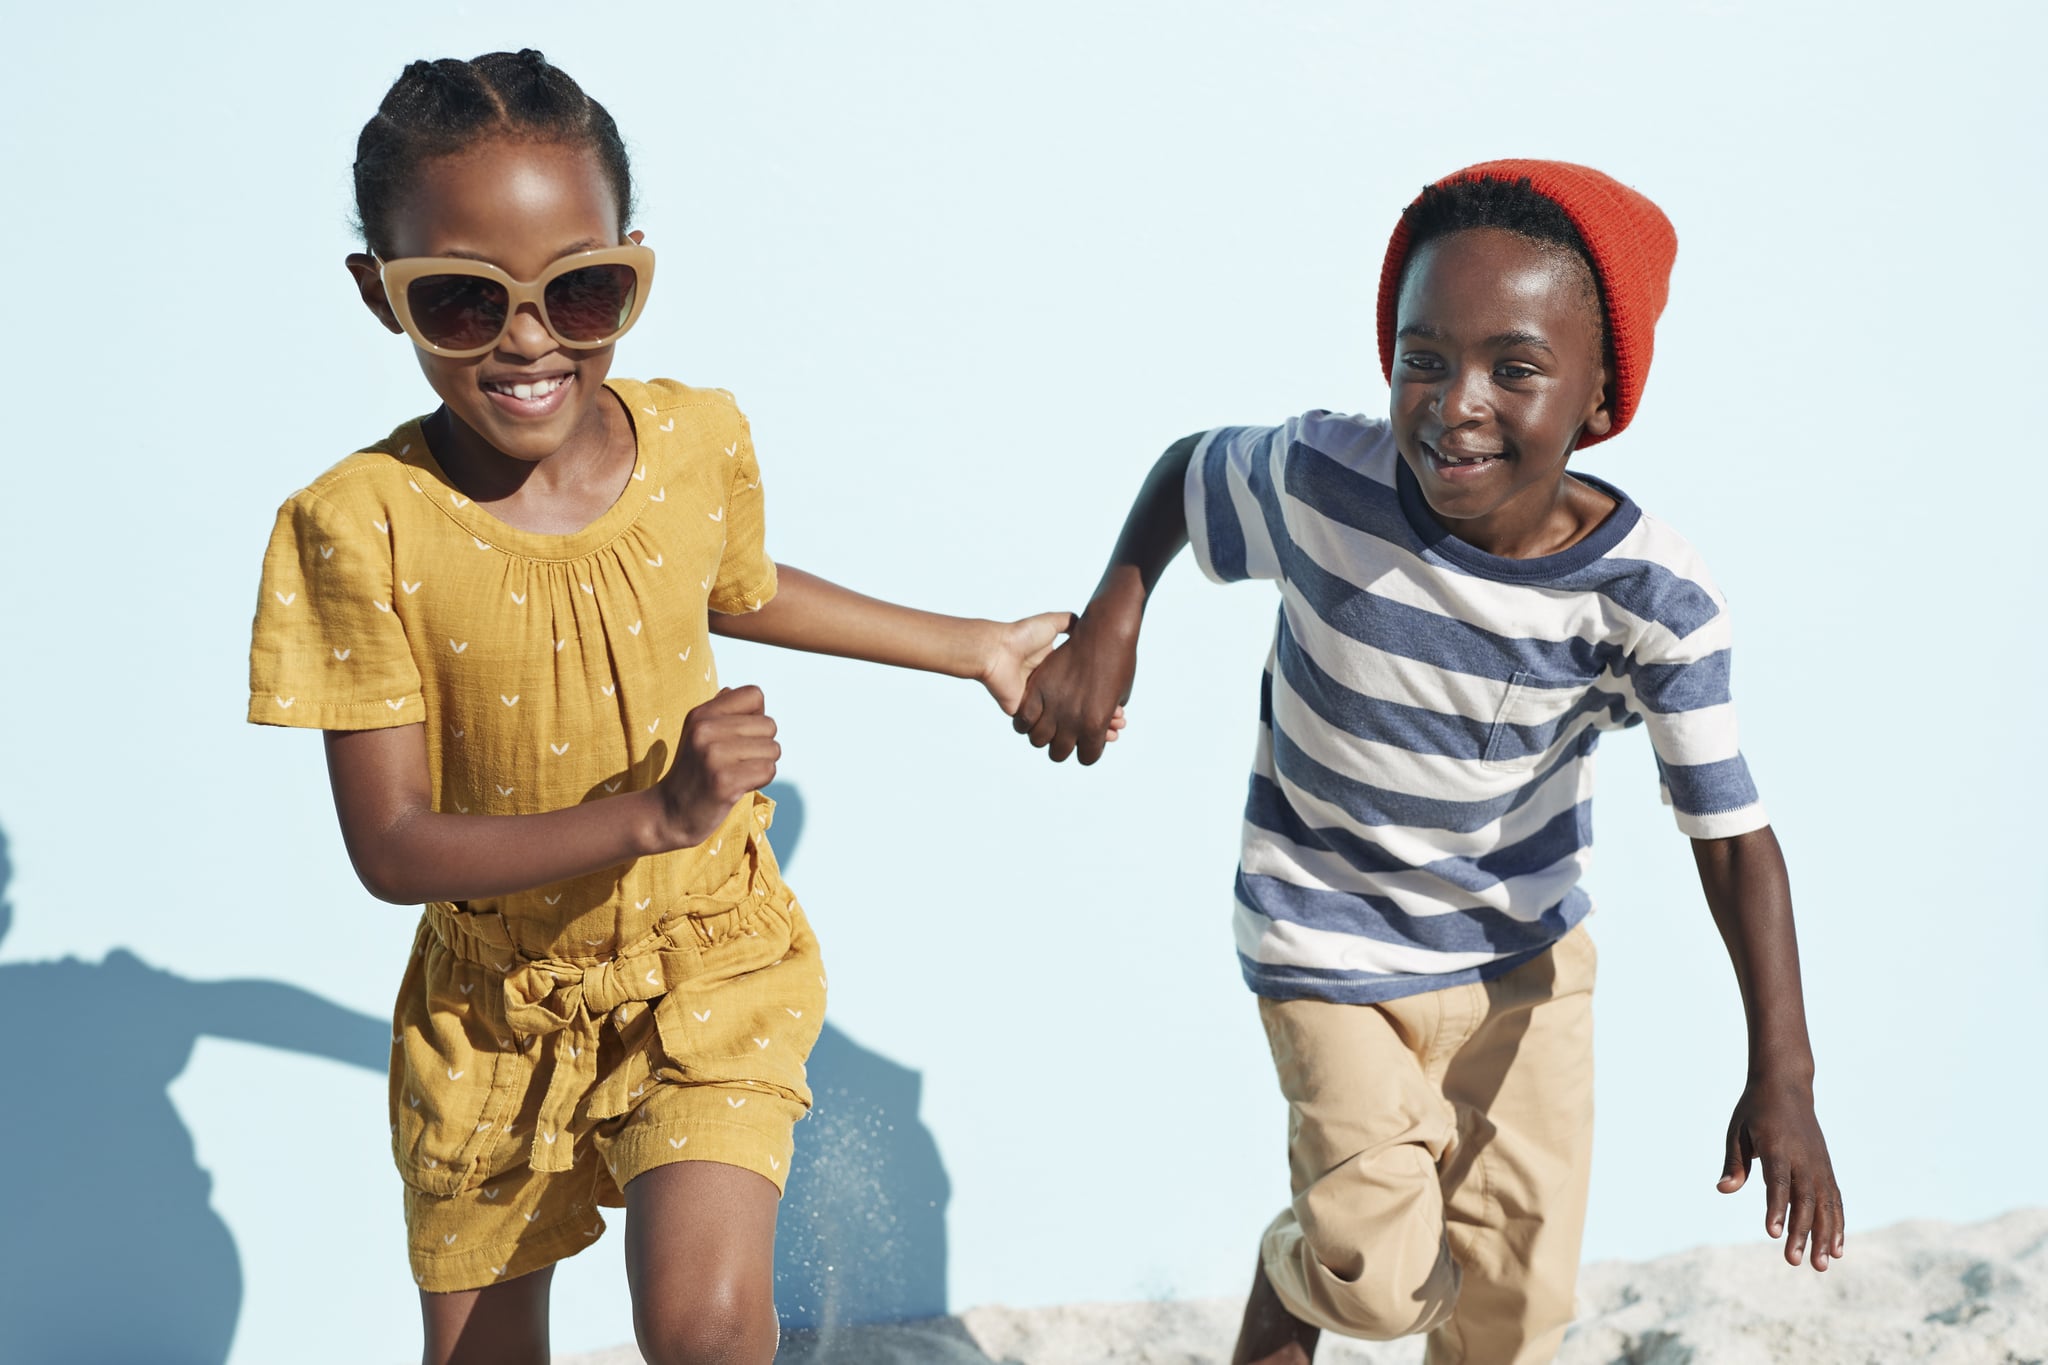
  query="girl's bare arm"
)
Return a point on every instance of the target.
[
  {"x": 810, "y": 613},
  {"x": 408, "y": 853}
]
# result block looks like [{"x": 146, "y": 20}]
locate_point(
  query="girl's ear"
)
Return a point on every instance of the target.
[
  {"x": 637, "y": 237},
  {"x": 370, "y": 285}
]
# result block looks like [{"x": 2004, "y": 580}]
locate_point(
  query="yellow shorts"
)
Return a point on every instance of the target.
[{"x": 525, "y": 1094}]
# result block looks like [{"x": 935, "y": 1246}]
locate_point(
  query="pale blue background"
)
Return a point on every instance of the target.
[{"x": 969, "y": 269}]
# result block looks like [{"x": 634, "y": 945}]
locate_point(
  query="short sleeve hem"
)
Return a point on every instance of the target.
[
  {"x": 1195, "y": 493},
  {"x": 754, "y": 596},
  {"x": 305, "y": 713},
  {"x": 1723, "y": 824}
]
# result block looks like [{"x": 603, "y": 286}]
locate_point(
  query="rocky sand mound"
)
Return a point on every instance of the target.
[{"x": 1918, "y": 1292}]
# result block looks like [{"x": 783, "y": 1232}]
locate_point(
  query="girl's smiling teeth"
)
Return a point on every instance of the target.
[
  {"x": 526, "y": 390},
  {"x": 529, "y": 400}
]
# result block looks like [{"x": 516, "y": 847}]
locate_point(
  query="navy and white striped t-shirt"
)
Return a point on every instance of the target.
[{"x": 1420, "y": 807}]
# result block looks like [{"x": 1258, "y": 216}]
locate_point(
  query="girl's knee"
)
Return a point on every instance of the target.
[{"x": 727, "y": 1321}]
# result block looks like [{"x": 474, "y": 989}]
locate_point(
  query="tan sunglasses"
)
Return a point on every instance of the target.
[{"x": 460, "y": 308}]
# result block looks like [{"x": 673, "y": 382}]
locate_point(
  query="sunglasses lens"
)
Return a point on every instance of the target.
[
  {"x": 592, "y": 304},
  {"x": 459, "y": 312}
]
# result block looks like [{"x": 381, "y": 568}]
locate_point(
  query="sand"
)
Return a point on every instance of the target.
[{"x": 1918, "y": 1292}]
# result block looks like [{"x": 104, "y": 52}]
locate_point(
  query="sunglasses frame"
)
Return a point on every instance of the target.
[{"x": 399, "y": 275}]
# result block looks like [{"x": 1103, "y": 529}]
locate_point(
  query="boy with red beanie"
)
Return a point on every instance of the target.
[{"x": 1460, "y": 619}]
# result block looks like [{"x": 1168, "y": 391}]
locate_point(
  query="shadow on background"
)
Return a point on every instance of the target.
[
  {"x": 109, "y": 1249},
  {"x": 111, "y": 1252},
  {"x": 862, "y": 1233}
]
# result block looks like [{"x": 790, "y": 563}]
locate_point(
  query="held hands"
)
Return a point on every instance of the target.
[
  {"x": 1073, "y": 702},
  {"x": 728, "y": 749},
  {"x": 1774, "y": 1122},
  {"x": 1017, "y": 661}
]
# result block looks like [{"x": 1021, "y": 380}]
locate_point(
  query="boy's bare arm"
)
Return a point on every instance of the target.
[
  {"x": 1751, "y": 897},
  {"x": 1070, "y": 699},
  {"x": 408, "y": 853}
]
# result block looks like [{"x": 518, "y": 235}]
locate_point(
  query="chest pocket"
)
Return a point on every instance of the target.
[{"x": 1520, "y": 735}]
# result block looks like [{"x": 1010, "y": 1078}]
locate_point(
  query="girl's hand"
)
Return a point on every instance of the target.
[
  {"x": 728, "y": 749},
  {"x": 1019, "y": 648},
  {"x": 1774, "y": 1122}
]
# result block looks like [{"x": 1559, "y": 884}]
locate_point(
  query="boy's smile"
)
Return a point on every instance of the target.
[{"x": 1499, "y": 368}]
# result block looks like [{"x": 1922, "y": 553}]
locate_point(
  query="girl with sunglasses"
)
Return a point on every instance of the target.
[{"x": 501, "y": 616}]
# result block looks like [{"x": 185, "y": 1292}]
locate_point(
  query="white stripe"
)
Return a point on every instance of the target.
[
  {"x": 1279, "y": 944},
  {"x": 1686, "y": 738}
]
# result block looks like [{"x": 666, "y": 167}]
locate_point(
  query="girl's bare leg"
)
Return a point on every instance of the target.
[
  {"x": 700, "y": 1259},
  {"x": 505, "y": 1324}
]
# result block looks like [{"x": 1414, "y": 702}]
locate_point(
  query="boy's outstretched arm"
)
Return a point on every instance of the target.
[
  {"x": 1751, "y": 896},
  {"x": 1071, "y": 700}
]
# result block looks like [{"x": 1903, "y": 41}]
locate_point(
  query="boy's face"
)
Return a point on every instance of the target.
[{"x": 1498, "y": 369}]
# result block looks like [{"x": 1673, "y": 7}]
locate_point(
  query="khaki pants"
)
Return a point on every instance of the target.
[{"x": 1440, "y": 1146}]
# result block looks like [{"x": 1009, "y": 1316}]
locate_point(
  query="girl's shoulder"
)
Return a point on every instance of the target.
[
  {"x": 374, "y": 476},
  {"x": 681, "y": 425},
  {"x": 671, "y": 395}
]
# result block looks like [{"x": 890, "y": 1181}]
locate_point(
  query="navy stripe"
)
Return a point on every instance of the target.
[
  {"x": 1423, "y": 731},
  {"x": 1647, "y": 591},
  {"x": 1709, "y": 788},
  {"x": 1480, "y": 929},
  {"x": 1664, "y": 689},
  {"x": 1367, "y": 804},
  {"x": 1350, "y": 498},
  {"x": 1558, "y": 840},
  {"x": 1225, "y": 535}
]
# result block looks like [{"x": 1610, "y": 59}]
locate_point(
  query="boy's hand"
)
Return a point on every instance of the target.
[
  {"x": 1774, "y": 1122},
  {"x": 728, "y": 749},
  {"x": 1018, "y": 651},
  {"x": 1074, "y": 701}
]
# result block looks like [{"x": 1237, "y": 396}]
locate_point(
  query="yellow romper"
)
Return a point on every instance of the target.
[{"x": 550, "y": 1046}]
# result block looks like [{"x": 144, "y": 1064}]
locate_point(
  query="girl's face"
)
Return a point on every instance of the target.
[{"x": 520, "y": 205}]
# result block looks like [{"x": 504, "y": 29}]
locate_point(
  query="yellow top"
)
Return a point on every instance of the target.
[{"x": 548, "y": 669}]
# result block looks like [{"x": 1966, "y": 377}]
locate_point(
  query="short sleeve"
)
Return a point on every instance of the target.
[
  {"x": 327, "y": 651},
  {"x": 1680, "y": 688},
  {"x": 746, "y": 575},
  {"x": 1233, "y": 502}
]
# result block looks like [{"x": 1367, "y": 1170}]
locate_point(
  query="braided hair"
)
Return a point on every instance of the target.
[
  {"x": 1515, "y": 206},
  {"x": 436, "y": 108}
]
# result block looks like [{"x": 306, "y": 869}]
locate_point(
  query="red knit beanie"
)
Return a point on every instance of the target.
[{"x": 1632, "y": 244}]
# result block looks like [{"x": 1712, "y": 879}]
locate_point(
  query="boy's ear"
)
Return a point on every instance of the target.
[
  {"x": 370, "y": 285},
  {"x": 1602, "y": 420}
]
